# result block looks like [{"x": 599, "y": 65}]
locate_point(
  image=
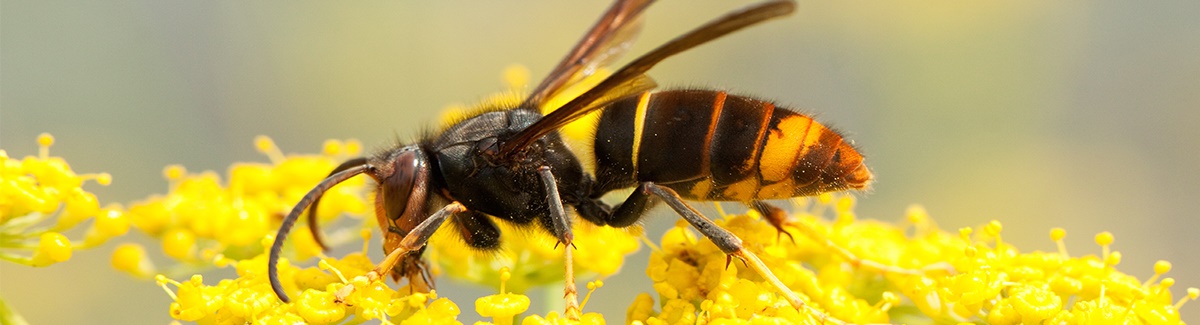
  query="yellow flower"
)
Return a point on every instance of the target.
[
  {"x": 860, "y": 266},
  {"x": 200, "y": 215},
  {"x": 318, "y": 307},
  {"x": 41, "y": 198},
  {"x": 132, "y": 259},
  {"x": 532, "y": 257},
  {"x": 52, "y": 248}
]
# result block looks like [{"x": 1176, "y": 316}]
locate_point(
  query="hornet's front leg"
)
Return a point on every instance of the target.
[{"x": 413, "y": 241}]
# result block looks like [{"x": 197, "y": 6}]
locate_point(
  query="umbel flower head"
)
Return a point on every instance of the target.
[
  {"x": 201, "y": 221},
  {"x": 874, "y": 272},
  {"x": 41, "y": 198}
]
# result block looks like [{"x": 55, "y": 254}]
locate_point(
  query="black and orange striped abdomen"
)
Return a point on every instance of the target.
[{"x": 709, "y": 145}]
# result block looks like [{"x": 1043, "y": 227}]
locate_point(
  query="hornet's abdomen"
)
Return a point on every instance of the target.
[{"x": 709, "y": 145}]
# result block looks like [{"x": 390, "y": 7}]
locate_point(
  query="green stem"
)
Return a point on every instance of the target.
[
  {"x": 8, "y": 316},
  {"x": 16, "y": 259}
]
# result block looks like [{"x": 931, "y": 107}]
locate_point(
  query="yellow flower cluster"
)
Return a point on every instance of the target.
[
  {"x": 200, "y": 220},
  {"x": 872, "y": 272},
  {"x": 40, "y": 199},
  {"x": 534, "y": 259},
  {"x": 249, "y": 298},
  {"x": 504, "y": 307}
]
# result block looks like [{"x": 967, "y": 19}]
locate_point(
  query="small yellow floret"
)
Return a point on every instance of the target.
[
  {"x": 825, "y": 198},
  {"x": 179, "y": 244},
  {"x": 1104, "y": 238},
  {"x": 1035, "y": 304},
  {"x": 888, "y": 300},
  {"x": 503, "y": 306},
  {"x": 195, "y": 301},
  {"x": 1057, "y": 234},
  {"x": 993, "y": 228},
  {"x": 104, "y": 179},
  {"x": 45, "y": 140},
  {"x": 332, "y": 147},
  {"x": 643, "y": 307},
  {"x": 965, "y": 233},
  {"x": 591, "y": 286},
  {"x": 844, "y": 204},
  {"x": 916, "y": 214},
  {"x": 174, "y": 172},
  {"x": 318, "y": 307},
  {"x": 80, "y": 205},
  {"x": 131, "y": 258},
  {"x": 1162, "y": 266},
  {"x": 353, "y": 147},
  {"x": 112, "y": 222},
  {"x": 265, "y": 145},
  {"x": 1113, "y": 259},
  {"x": 516, "y": 76},
  {"x": 52, "y": 248}
]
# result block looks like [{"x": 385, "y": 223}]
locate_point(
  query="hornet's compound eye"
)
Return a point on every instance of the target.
[{"x": 397, "y": 178}]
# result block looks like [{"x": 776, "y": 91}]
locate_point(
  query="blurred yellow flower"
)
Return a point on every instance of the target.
[
  {"x": 200, "y": 220},
  {"x": 41, "y": 198}
]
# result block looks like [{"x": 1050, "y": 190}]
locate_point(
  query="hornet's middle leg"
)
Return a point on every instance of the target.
[{"x": 561, "y": 226}]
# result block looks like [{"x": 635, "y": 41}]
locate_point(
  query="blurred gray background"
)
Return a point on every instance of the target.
[{"x": 1040, "y": 114}]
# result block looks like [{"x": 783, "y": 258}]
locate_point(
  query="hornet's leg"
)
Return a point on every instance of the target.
[
  {"x": 774, "y": 215},
  {"x": 561, "y": 226},
  {"x": 414, "y": 240},
  {"x": 731, "y": 245}
]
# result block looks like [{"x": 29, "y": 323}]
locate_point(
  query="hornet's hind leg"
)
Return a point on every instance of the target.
[
  {"x": 639, "y": 202},
  {"x": 774, "y": 215}
]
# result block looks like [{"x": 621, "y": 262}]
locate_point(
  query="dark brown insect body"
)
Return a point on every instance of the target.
[
  {"x": 510, "y": 164},
  {"x": 712, "y": 146}
]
